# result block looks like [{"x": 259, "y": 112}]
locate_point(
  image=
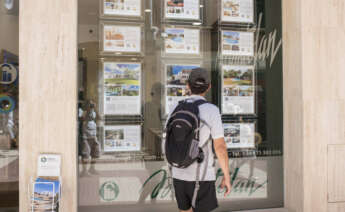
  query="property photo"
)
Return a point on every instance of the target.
[{"x": 178, "y": 74}]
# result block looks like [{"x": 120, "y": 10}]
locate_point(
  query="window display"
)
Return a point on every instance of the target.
[
  {"x": 238, "y": 90},
  {"x": 136, "y": 71},
  {"x": 122, "y": 138},
  {"x": 122, "y": 7},
  {"x": 239, "y": 135},
  {"x": 182, "y": 41},
  {"x": 182, "y": 9},
  {"x": 175, "y": 87},
  {"x": 122, "y": 88},
  {"x": 237, "y": 43},
  {"x": 121, "y": 38},
  {"x": 237, "y": 11}
]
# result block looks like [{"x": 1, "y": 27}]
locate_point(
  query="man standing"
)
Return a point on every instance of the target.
[{"x": 184, "y": 179}]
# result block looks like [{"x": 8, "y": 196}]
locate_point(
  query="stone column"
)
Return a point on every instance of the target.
[
  {"x": 48, "y": 93},
  {"x": 314, "y": 105}
]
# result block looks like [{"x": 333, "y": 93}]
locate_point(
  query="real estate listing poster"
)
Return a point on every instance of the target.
[
  {"x": 239, "y": 135},
  {"x": 122, "y": 7},
  {"x": 122, "y": 38},
  {"x": 182, "y": 41},
  {"x": 238, "y": 89},
  {"x": 175, "y": 87},
  {"x": 237, "y": 43},
  {"x": 122, "y": 138},
  {"x": 237, "y": 11},
  {"x": 122, "y": 88},
  {"x": 182, "y": 9}
]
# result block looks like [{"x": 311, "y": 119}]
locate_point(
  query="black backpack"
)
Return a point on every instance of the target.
[{"x": 182, "y": 134}]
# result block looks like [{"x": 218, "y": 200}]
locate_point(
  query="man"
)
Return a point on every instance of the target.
[{"x": 211, "y": 126}]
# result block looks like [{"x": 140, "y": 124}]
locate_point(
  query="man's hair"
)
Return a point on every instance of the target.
[{"x": 198, "y": 89}]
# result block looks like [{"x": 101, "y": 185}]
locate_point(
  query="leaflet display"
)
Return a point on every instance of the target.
[
  {"x": 239, "y": 135},
  {"x": 122, "y": 7},
  {"x": 182, "y": 9},
  {"x": 182, "y": 41},
  {"x": 122, "y": 88},
  {"x": 122, "y": 138},
  {"x": 237, "y": 43},
  {"x": 119, "y": 38},
  {"x": 241, "y": 11},
  {"x": 238, "y": 89},
  {"x": 175, "y": 87}
]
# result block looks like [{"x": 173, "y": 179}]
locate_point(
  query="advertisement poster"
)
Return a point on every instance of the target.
[
  {"x": 176, "y": 80},
  {"x": 237, "y": 11},
  {"x": 122, "y": 38},
  {"x": 182, "y": 41},
  {"x": 237, "y": 43},
  {"x": 122, "y": 138},
  {"x": 122, "y": 88},
  {"x": 238, "y": 89},
  {"x": 239, "y": 135},
  {"x": 122, "y": 7},
  {"x": 182, "y": 9}
]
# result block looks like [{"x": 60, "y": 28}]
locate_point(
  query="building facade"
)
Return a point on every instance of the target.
[{"x": 108, "y": 71}]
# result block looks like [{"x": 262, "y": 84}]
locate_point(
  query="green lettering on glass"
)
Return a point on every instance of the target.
[{"x": 242, "y": 185}]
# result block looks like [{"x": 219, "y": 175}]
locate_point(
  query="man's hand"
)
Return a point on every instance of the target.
[
  {"x": 226, "y": 184},
  {"x": 223, "y": 159}
]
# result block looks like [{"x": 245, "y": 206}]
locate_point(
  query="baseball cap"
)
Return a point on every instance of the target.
[{"x": 199, "y": 77}]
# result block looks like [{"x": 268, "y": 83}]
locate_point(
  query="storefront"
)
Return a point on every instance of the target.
[{"x": 107, "y": 72}]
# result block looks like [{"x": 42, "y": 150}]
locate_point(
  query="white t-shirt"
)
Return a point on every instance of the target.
[{"x": 210, "y": 114}]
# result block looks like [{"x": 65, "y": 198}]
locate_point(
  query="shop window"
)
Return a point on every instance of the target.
[{"x": 134, "y": 59}]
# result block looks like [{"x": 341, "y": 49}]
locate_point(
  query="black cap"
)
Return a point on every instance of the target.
[{"x": 199, "y": 77}]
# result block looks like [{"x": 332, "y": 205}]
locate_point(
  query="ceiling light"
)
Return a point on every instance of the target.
[
  {"x": 147, "y": 10},
  {"x": 196, "y": 23}
]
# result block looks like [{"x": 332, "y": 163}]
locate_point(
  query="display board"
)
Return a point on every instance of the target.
[
  {"x": 182, "y": 9},
  {"x": 238, "y": 89},
  {"x": 176, "y": 76},
  {"x": 185, "y": 41},
  {"x": 118, "y": 38},
  {"x": 122, "y": 88},
  {"x": 237, "y": 43},
  {"x": 239, "y": 11},
  {"x": 122, "y": 8},
  {"x": 239, "y": 135},
  {"x": 122, "y": 138}
]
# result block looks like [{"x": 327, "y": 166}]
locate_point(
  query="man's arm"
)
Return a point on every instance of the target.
[{"x": 223, "y": 159}]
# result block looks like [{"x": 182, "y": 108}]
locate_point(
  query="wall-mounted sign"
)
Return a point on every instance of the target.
[
  {"x": 119, "y": 38},
  {"x": 237, "y": 11},
  {"x": 122, "y": 7},
  {"x": 239, "y": 135},
  {"x": 237, "y": 43},
  {"x": 122, "y": 88},
  {"x": 8, "y": 74},
  {"x": 238, "y": 90},
  {"x": 182, "y": 9},
  {"x": 175, "y": 86},
  {"x": 182, "y": 41},
  {"x": 7, "y": 104},
  {"x": 49, "y": 165},
  {"x": 122, "y": 138}
]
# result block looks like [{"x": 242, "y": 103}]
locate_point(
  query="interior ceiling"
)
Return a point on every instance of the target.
[{"x": 88, "y": 12}]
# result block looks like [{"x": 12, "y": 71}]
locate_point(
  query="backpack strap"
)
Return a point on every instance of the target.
[
  {"x": 199, "y": 102},
  {"x": 197, "y": 180}
]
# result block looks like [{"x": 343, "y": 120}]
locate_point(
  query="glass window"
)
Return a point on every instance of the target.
[
  {"x": 134, "y": 59},
  {"x": 9, "y": 72}
]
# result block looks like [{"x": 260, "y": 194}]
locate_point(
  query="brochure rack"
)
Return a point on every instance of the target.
[{"x": 48, "y": 200}]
